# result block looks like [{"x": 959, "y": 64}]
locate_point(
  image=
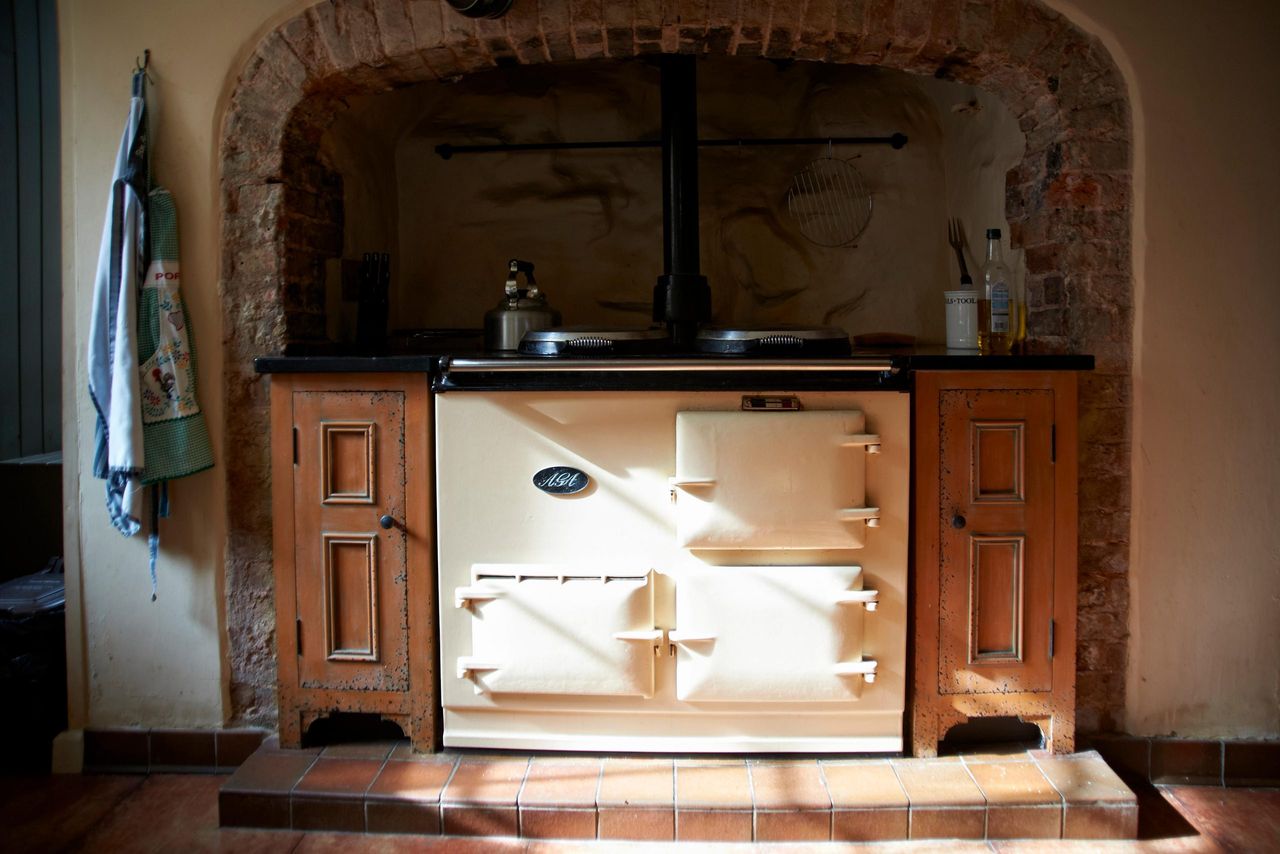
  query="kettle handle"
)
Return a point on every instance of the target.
[{"x": 514, "y": 268}]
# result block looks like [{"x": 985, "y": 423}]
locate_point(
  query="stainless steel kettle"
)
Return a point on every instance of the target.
[{"x": 520, "y": 310}]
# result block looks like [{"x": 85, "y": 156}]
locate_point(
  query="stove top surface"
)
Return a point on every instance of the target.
[
  {"x": 594, "y": 341},
  {"x": 777, "y": 340},
  {"x": 764, "y": 342}
]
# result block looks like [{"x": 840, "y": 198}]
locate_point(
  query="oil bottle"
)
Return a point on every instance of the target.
[{"x": 999, "y": 314}]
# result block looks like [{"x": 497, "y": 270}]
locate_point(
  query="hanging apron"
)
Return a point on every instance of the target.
[
  {"x": 174, "y": 432},
  {"x": 141, "y": 359}
]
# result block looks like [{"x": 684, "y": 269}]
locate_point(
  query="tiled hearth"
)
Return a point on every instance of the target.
[{"x": 385, "y": 788}]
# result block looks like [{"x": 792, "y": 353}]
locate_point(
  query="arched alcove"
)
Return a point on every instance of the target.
[{"x": 1068, "y": 205}]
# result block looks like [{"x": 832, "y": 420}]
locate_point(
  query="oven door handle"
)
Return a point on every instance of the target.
[
  {"x": 675, "y": 637},
  {"x": 468, "y": 666},
  {"x": 870, "y": 441},
  {"x": 865, "y": 668},
  {"x": 691, "y": 482},
  {"x": 870, "y": 515},
  {"x": 639, "y": 634},
  {"x": 464, "y": 596},
  {"x": 536, "y": 364},
  {"x": 870, "y": 598},
  {"x": 653, "y": 637}
]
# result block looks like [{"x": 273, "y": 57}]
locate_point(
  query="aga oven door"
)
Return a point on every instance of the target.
[
  {"x": 772, "y": 480},
  {"x": 794, "y": 634},
  {"x": 559, "y": 630}
]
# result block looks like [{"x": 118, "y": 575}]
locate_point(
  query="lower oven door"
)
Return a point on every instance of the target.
[
  {"x": 559, "y": 630},
  {"x": 794, "y": 634}
]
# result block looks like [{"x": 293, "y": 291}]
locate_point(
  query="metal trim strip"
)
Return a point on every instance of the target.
[{"x": 852, "y": 365}]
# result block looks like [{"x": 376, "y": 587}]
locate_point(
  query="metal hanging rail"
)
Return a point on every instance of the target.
[{"x": 448, "y": 150}]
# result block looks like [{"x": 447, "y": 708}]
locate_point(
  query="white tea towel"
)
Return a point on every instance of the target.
[{"x": 113, "y": 347}]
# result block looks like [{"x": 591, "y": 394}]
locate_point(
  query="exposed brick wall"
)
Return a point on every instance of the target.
[{"x": 1068, "y": 204}]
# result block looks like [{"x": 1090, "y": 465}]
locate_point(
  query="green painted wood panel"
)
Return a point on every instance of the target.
[
  {"x": 10, "y": 433},
  {"x": 50, "y": 229},
  {"x": 30, "y": 230}
]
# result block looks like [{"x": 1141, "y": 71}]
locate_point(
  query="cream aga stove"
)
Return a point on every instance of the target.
[{"x": 672, "y": 568}]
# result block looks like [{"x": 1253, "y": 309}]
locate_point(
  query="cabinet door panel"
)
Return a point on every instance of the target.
[
  {"x": 997, "y": 538},
  {"x": 351, "y": 573}
]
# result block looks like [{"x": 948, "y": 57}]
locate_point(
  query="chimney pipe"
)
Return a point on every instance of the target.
[{"x": 681, "y": 298}]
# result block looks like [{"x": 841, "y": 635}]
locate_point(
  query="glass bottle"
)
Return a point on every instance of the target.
[
  {"x": 998, "y": 313},
  {"x": 1018, "y": 311}
]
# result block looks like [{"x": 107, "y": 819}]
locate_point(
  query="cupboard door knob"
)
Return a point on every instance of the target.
[
  {"x": 957, "y": 521},
  {"x": 387, "y": 522}
]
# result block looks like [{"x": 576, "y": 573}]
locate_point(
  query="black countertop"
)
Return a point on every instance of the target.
[
  {"x": 330, "y": 359},
  {"x": 863, "y": 370},
  {"x": 348, "y": 363}
]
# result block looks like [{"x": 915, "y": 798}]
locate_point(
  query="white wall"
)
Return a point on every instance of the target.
[
  {"x": 1205, "y": 658},
  {"x": 132, "y": 661}
]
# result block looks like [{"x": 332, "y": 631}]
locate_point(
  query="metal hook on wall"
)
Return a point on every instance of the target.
[{"x": 143, "y": 65}]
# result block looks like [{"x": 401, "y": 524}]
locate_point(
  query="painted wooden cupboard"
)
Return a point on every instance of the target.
[
  {"x": 994, "y": 578},
  {"x": 355, "y": 590}
]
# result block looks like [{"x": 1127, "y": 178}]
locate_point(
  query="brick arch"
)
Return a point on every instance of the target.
[{"x": 1068, "y": 204}]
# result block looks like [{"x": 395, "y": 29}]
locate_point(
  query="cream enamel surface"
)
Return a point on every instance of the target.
[
  {"x": 1203, "y": 658},
  {"x": 552, "y": 630},
  {"x": 723, "y": 501},
  {"x": 787, "y": 633},
  {"x": 783, "y": 670}
]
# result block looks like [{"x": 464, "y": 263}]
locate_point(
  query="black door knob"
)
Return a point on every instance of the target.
[
  {"x": 957, "y": 521},
  {"x": 387, "y": 522}
]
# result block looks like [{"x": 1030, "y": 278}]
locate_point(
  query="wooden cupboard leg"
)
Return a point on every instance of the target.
[
  {"x": 306, "y": 718},
  {"x": 924, "y": 746},
  {"x": 947, "y": 718},
  {"x": 1062, "y": 737},
  {"x": 422, "y": 735},
  {"x": 290, "y": 728},
  {"x": 421, "y": 722},
  {"x": 1058, "y": 732},
  {"x": 924, "y": 733}
]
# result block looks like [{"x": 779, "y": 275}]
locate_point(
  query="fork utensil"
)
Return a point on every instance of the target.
[{"x": 955, "y": 236}]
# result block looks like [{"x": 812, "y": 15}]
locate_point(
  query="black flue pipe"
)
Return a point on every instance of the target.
[{"x": 681, "y": 298}]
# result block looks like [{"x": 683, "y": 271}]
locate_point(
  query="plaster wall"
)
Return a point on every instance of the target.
[
  {"x": 1205, "y": 652},
  {"x": 132, "y": 661},
  {"x": 591, "y": 220}
]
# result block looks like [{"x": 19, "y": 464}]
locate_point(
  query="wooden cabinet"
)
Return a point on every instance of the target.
[
  {"x": 355, "y": 593},
  {"x": 995, "y": 557}
]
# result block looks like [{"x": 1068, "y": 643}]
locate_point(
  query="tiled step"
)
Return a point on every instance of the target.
[{"x": 386, "y": 788}]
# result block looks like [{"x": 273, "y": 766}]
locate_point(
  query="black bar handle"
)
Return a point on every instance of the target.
[{"x": 447, "y": 150}]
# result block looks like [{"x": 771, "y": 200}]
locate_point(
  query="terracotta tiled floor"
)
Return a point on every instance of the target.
[
  {"x": 386, "y": 788},
  {"x": 163, "y": 813}
]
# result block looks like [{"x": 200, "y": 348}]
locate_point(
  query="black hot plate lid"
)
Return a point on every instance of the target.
[
  {"x": 777, "y": 340},
  {"x": 593, "y": 341}
]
